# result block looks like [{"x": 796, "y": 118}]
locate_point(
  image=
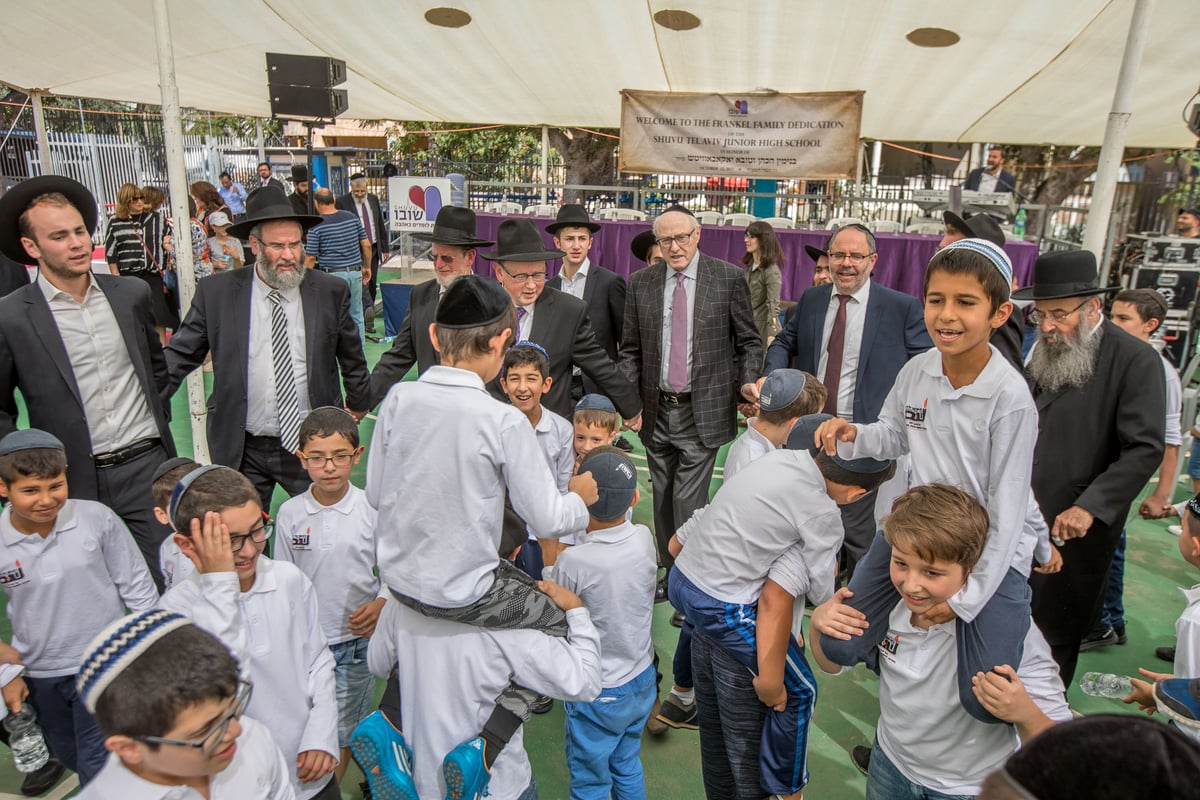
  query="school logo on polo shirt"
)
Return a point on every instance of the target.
[
  {"x": 302, "y": 541},
  {"x": 13, "y": 576},
  {"x": 914, "y": 417},
  {"x": 889, "y": 646}
]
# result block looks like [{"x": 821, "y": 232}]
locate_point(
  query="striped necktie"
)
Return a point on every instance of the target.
[{"x": 285, "y": 380}]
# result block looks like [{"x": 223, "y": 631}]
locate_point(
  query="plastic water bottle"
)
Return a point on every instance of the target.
[
  {"x": 1105, "y": 684},
  {"x": 26, "y": 741},
  {"x": 1019, "y": 226}
]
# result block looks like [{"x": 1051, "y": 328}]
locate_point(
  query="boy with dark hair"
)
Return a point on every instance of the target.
[
  {"x": 329, "y": 533},
  {"x": 785, "y": 396},
  {"x": 174, "y": 564},
  {"x": 966, "y": 417},
  {"x": 68, "y": 568},
  {"x": 266, "y": 613},
  {"x": 170, "y": 706},
  {"x": 613, "y": 568},
  {"x": 770, "y": 535},
  {"x": 927, "y": 744},
  {"x": 451, "y": 473}
]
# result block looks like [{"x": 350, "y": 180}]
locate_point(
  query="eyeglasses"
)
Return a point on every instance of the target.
[
  {"x": 749, "y": 235},
  {"x": 853, "y": 258},
  {"x": 257, "y": 535},
  {"x": 525, "y": 277},
  {"x": 279, "y": 247},
  {"x": 212, "y": 740},
  {"x": 1055, "y": 317},
  {"x": 319, "y": 462},
  {"x": 680, "y": 240},
  {"x": 136, "y": 198}
]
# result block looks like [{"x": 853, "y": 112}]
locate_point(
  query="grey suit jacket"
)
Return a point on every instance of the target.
[
  {"x": 726, "y": 348},
  {"x": 34, "y": 361},
  {"x": 219, "y": 322}
]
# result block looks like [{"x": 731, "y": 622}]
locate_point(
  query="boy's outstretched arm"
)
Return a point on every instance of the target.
[
  {"x": 1003, "y": 695},
  {"x": 834, "y": 618},
  {"x": 771, "y": 633}
]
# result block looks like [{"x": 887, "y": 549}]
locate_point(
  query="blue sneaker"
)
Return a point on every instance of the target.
[
  {"x": 1179, "y": 699},
  {"x": 384, "y": 757},
  {"x": 465, "y": 773}
]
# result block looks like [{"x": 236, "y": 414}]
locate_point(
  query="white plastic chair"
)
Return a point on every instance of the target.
[
  {"x": 710, "y": 217},
  {"x": 503, "y": 207},
  {"x": 542, "y": 210},
  {"x": 780, "y": 222},
  {"x": 739, "y": 220},
  {"x": 884, "y": 226},
  {"x": 628, "y": 213},
  {"x": 838, "y": 222},
  {"x": 926, "y": 226},
  {"x": 609, "y": 213}
]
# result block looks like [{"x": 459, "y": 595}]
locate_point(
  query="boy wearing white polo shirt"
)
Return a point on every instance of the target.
[
  {"x": 927, "y": 744},
  {"x": 786, "y": 396},
  {"x": 329, "y": 533},
  {"x": 613, "y": 568}
]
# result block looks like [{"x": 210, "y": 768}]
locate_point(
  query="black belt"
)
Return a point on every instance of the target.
[
  {"x": 357, "y": 268},
  {"x": 674, "y": 398},
  {"x": 125, "y": 454}
]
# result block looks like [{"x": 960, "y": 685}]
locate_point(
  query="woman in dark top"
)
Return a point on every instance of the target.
[{"x": 208, "y": 200}]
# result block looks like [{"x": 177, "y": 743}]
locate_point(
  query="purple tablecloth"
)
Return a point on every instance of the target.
[{"x": 901, "y": 264}]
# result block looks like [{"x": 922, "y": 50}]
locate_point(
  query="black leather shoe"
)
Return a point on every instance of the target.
[
  {"x": 677, "y": 619},
  {"x": 621, "y": 443},
  {"x": 1165, "y": 653},
  {"x": 542, "y": 705},
  {"x": 41, "y": 780},
  {"x": 861, "y": 756},
  {"x": 660, "y": 591}
]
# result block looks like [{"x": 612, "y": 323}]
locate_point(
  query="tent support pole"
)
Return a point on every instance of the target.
[
  {"x": 1104, "y": 190},
  {"x": 258, "y": 139},
  {"x": 43, "y": 140},
  {"x": 545, "y": 162},
  {"x": 177, "y": 183}
]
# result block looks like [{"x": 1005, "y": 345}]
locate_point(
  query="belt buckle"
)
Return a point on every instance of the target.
[{"x": 671, "y": 397}]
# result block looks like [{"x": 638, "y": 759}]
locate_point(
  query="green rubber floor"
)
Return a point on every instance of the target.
[{"x": 847, "y": 706}]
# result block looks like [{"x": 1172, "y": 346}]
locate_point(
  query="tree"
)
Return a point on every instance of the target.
[{"x": 587, "y": 158}]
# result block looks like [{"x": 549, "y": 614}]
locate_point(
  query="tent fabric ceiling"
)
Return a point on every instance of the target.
[{"x": 1023, "y": 71}]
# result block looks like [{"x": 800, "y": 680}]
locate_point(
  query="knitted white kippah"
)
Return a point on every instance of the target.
[{"x": 118, "y": 646}]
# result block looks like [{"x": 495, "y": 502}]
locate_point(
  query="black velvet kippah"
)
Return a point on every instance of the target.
[{"x": 472, "y": 301}]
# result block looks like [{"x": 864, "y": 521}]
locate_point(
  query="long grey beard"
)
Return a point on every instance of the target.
[
  {"x": 280, "y": 280},
  {"x": 1066, "y": 363}
]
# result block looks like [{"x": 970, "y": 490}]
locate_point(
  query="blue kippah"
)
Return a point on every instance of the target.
[
  {"x": 29, "y": 439},
  {"x": 804, "y": 432},
  {"x": 780, "y": 389},
  {"x": 185, "y": 483},
  {"x": 990, "y": 251},
  {"x": 118, "y": 646},
  {"x": 616, "y": 482},
  {"x": 595, "y": 402},
  {"x": 534, "y": 345}
]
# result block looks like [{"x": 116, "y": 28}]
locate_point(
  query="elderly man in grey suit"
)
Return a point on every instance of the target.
[{"x": 83, "y": 352}]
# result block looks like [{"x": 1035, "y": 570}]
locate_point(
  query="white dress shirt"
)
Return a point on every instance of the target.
[
  {"x": 750, "y": 446},
  {"x": 856, "y": 315},
  {"x": 525, "y": 326},
  {"x": 113, "y": 401},
  {"x": 575, "y": 285},
  {"x": 368, "y": 220},
  {"x": 988, "y": 181},
  {"x": 262, "y": 408},
  {"x": 690, "y": 274}
]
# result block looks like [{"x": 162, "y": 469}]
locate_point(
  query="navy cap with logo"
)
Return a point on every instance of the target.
[{"x": 616, "y": 481}]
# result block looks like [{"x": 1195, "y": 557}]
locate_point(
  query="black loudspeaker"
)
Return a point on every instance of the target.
[
  {"x": 317, "y": 71},
  {"x": 307, "y": 101}
]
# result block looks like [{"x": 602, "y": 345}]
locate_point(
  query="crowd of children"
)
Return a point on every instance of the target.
[{"x": 491, "y": 564}]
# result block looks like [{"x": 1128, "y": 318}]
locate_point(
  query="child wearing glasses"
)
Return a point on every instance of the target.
[
  {"x": 68, "y": 568},
  {"x": 329, "y": 533},
  {"x": 170, "y": 707},
  {"x": 266, "y": 613}
]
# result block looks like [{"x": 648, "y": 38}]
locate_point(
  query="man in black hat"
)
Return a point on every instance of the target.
[
  {"x": 820, "y": 257},
  {"x": 557, "y": 321},
  {"x": 453, "y": 245},
  {"x": 602, "y": 289},
  {"x": 82, "y": 350},
  {"x": 1100, "y": 399},
  {"x": 299, "y": 197},
  {"x": 366, "y": 206},
  {"x": 282, "y": 342},
  {"x": 1187, "y": 223}
]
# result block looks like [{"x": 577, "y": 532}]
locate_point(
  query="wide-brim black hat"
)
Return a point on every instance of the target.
[
  {"x": 519, "y": 240},
  {"x": 1068, "y": 273},
  {"x": 641, "y": 244},
  {"x": 268, "y": 204},
  {"x": 572, "y": 215},
  {"x": 299, "y": 173},
  {"x": 18, "y": 198},
  {"x": 814, "y": 252},
  {"x": 454, "y": 226},
  {"x": 979, "y": 226}
]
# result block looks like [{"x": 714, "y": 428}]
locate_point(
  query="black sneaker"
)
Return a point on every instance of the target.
[
  {"x": 677, "y": 619},
  {"x": 39, "y": 781},
  {"x": 1097, "y": 639},
  {"x": 542, "y": 705},
  {"x": 1165, "y": 653},
  {"x": 675, "y": 714},
  {"x": 623, "y": 444},
  {"x": 861, "y": 756}
]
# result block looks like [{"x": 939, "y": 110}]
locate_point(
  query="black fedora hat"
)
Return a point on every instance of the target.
[
  {"x": 816, "y": 252},
  {"x": 456, "y": 226},
  {"x": 299, "y": 173},
  {"x": 519, "y": 240},
  {"x": 979, "y": 226},
  {"x": 1067, "y": 273},
  {"x": 18, "y": 198},
  {"x": 267, "y": 204},
  {"x": 572, "y": 215},
  {"x": 641, "y": 244}
]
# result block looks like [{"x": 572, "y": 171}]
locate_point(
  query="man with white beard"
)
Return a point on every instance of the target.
[
  {"x": 282, "y": 342},
  {"x": 1100, "y": 396}
]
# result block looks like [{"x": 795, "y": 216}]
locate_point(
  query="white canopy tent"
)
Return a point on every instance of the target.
[{"x": 1023, "y": 71}]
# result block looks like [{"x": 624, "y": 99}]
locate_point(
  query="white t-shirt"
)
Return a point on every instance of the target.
[
  {"x": 174, "y": 564},
  {"x": 923, "y": 727},
  {"x": 1172, "y": 434},
  {"x": 748, "y": 447},
  {"x": 556, "y": 438},
  {"x": 1187, "y": 644},
  {"x": 335, "y": 547}
]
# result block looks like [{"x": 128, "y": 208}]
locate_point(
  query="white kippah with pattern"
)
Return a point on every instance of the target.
[
  {"x": 985, "y": 248},
  {"x": 118, "y": 646}
]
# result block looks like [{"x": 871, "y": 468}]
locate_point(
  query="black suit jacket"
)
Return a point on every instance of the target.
[
  {"x": 346, "y": 203},
  {"x": 219, "y": 322},
  {"x": 412, "y": 344},
  {"x": 33, "y": 360},
  {"x": 893, "y": 332},
  {"x": 1005, "y": 183},
  {"x": 562, "y": 327},
  {"x": 726, "y": 347},
  {"x": 604, "y": 293}
]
